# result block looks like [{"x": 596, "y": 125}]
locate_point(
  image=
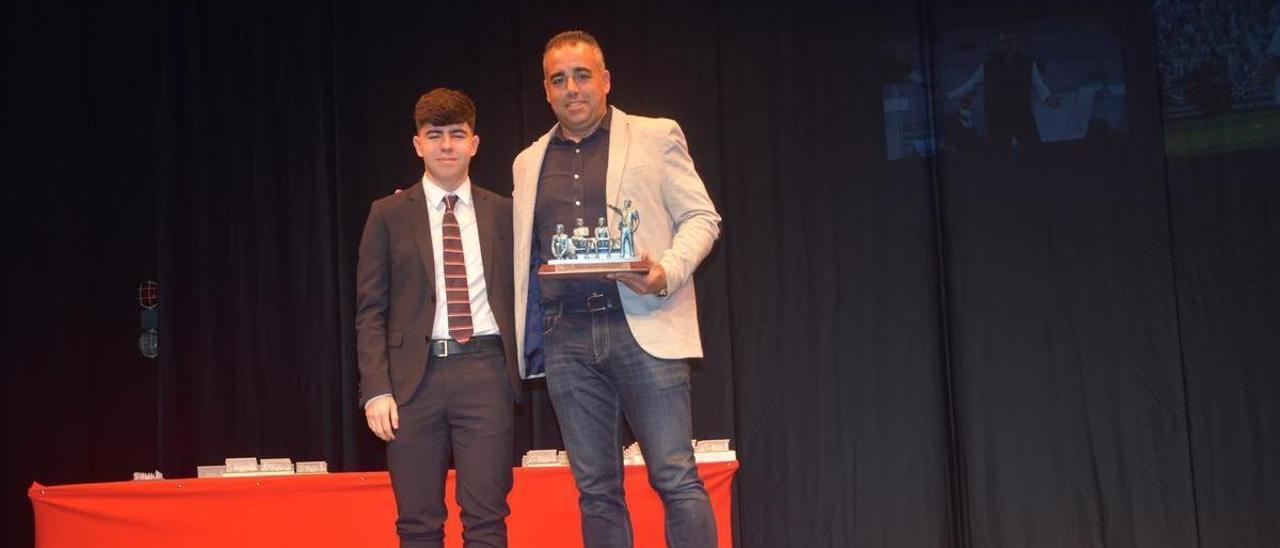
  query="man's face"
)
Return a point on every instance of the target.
[
  {"x": 577, "y": 84},
  {"x": 446, "y": 152},
  {"x": 1008, "y": 43}
]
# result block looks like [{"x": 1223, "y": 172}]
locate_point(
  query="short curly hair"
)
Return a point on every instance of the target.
[{"x": 442, "y": 107}]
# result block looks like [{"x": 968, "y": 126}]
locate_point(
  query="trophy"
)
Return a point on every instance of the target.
[{"x": 591, "y": 254}]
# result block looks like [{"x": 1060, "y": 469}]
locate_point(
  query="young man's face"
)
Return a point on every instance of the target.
[
  {"x": 446, "y": 152},
  {"x": 577, "y": 84}
]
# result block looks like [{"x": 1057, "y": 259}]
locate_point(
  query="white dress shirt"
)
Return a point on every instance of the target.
[{"x": 465, "y": 210}]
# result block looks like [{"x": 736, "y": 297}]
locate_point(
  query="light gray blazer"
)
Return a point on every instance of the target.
[{"x": 649, "y": 164}]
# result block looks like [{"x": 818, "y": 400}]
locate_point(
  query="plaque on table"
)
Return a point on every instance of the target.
[
  {"x": 710, "y": 446},
  {"x": 713, "y": 451},
  {"x": 241, "y": 466},
  {"x": 275, "y": 467},
  {"x": 539, "y": 457},
  {"x": 311, "y": 467},
  {"x": 631, "y": 455},
  {"x": 588, "y": 253},
  {"x": 211, "y": 471}
]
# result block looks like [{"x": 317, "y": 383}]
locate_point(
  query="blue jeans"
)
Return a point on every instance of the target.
[{"x": 597, "y": 373}]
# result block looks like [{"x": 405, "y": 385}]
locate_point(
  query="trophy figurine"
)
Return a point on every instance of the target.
[
  {"x": 561, "y": 247},
  {"x": 603, "y": 243},
  {"x": 582, "y": 239},
  {"x": 584, "y": 253},
  {"x": 628, "y": 221}
]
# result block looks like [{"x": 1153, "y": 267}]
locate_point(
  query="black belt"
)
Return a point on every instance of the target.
[
  {"x": 595, "y": 303},
  {"x": 443, "y": 348}
]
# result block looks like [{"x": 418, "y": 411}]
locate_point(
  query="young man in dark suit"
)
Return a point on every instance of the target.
[{"x": 435, "y": 335}]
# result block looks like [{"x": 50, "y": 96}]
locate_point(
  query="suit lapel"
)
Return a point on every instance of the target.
[
  {"x": 486, "y": 223},
  {"x": 421, "y": 225},
  {"x": 619, "y": 141}
]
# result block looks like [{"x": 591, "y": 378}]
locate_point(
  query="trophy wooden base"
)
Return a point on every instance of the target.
[{"x": 592, "y": 269}]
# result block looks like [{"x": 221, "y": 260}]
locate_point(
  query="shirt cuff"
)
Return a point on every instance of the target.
[{"x": 370, "y": 400}]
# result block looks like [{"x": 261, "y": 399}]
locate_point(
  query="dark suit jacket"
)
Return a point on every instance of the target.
[{"x": 396, "y": 291}]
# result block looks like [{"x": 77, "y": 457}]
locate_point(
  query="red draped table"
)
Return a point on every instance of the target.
[{"x": 347, "y": 509}]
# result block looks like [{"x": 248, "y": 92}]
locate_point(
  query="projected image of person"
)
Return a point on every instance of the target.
[
  {"x": 958, "y": 126},
  {"x": 906, "y": 88},
  {"x": 1010, "y": 79},
  {"x": 1220, "y": 75},
  {"x": 969, "y": 96}
]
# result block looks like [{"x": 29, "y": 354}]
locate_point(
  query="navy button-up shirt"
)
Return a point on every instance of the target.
[{"x": 571, "y": 186}]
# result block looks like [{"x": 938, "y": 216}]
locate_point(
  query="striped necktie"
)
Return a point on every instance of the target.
[{"x": 455, "y": 275}]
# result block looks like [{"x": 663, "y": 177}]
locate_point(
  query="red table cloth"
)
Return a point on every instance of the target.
[{"x": 346, "y": 509}]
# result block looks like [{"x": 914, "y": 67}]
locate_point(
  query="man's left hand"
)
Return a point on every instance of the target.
[{"x": 653, "y": 283}]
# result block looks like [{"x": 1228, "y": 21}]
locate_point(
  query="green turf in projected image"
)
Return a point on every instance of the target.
[{"x": 1226, "y": 133}]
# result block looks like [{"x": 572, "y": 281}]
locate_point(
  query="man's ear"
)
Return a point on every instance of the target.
[{"x": 418, "y": 145}]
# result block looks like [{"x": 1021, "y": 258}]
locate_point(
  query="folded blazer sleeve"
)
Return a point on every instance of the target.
[
  {"x": 697, "y": 225},
  {"x": 373, "y": 273}
]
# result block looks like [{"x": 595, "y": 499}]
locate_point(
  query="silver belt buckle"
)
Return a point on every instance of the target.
[{"x": 594, "y": 308}]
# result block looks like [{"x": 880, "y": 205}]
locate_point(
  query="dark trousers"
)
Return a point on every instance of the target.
[
  {"x": 462, "y": 406},
  {"x": 1004, "y": 124}
]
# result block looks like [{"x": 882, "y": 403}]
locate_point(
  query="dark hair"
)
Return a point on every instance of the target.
[
  {"x": 442, "y": 107},
  {"x": 571, "y": 37}
]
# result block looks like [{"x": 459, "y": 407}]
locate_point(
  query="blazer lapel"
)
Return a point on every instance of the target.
[
  {"x": 486, "y": 223},
  {"x": 421, "y": 225},
  {"x": 619, "y": 142},
  {"x": 527, "y": 184}
]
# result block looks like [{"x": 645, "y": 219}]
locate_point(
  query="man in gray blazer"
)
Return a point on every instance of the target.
[
  {"x": 435, "y": 333},
  {"x": 614, "y": 347}
]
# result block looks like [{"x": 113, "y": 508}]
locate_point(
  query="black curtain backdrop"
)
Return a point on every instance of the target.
[{"x": 1069, "y": 344}]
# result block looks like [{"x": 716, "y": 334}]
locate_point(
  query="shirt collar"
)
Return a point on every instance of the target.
[
  {"x": 558, "y": 135},
  {"x": 436, "y": 195}
]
